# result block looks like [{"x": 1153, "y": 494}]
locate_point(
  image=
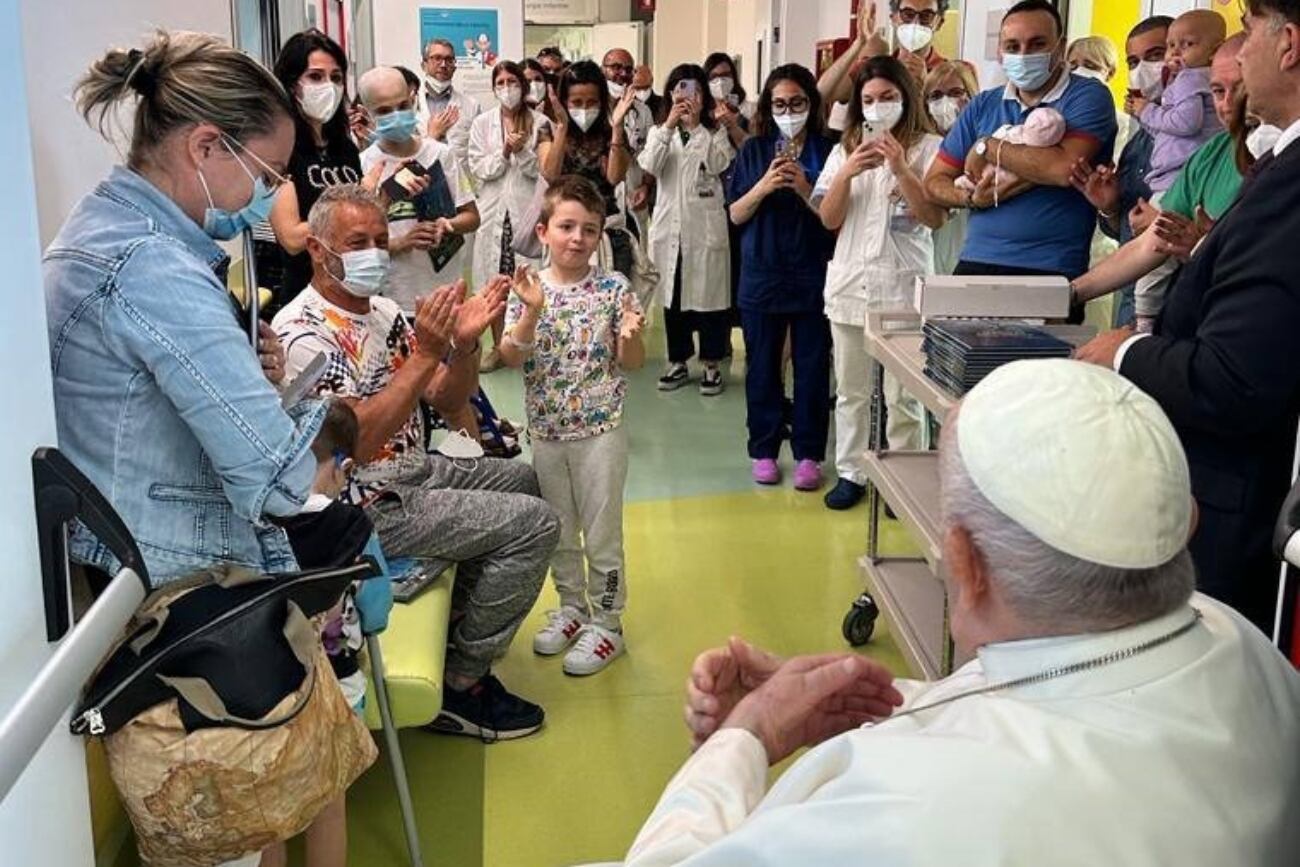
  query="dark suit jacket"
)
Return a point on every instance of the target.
[{"x": 1225, "y": 366}]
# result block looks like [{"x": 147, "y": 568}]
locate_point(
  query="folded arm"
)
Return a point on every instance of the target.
[{"x": 1049, "y": 166}]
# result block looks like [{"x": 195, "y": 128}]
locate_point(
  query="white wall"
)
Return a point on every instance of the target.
[
  {"x": 45, "y": 820},
  {"x": 687, "y": 31},
  {"x": 60, "y": 41}
]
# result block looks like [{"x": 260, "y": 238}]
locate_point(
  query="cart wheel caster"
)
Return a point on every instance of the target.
[{"x": 860, "y": 621}]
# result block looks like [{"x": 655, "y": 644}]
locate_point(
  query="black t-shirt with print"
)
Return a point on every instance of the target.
[{"x": 313, "y": 170}]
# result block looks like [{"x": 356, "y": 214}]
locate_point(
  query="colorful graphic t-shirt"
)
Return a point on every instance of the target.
[
  {"x": 574, "y": 387},
  {"x": 364, "y": 352}
]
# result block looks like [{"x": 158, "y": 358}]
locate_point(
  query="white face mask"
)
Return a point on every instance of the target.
[
  {"x": 616, "y": 90},
  {"x": 791, "y": 124},
  {"x": 883, "y": 115},
  {"x": 536, "y": 92},
  {"x": 944, "y": 111},
  {"x": 438, "y": 86},
  {"x": 364, "y": 271},
  {"x": 1147, "y": 78},
  {"x": 1085, "y": 72},
  {"x": 509, "y": 96},
  {"x": 320, "y": 100},
  {"x": 644, "y": 93},
  {"x": 721, "y": 87},
  {"x": 1262, "y": 139},
  {"x": 914, "y": 37},
  {"x": 584, "y": 117}
]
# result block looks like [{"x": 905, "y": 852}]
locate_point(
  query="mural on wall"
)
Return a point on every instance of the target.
[{"x": 474, "y": 32}]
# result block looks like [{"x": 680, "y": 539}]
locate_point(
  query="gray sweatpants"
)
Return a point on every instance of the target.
[
  {"x": 583, "y": 480},
  {"x": 488, "y": 518}
]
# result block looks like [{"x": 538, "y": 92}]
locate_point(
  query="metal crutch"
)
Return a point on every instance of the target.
[{"x": 379, "y": 674}]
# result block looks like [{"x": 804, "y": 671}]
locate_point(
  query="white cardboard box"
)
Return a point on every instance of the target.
[{"x": 993, "y": 297}]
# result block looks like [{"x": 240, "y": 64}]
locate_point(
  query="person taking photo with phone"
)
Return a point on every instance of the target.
[
  {"x": 871, "y": 192},
  {"x": 687, "y": 154},
  {"x": 784, "y": 249}
]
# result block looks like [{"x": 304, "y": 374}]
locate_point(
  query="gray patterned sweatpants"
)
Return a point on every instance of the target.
[{"x": 488, "y": 518}]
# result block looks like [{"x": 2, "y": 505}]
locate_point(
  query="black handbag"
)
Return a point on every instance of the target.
[{"x": 227, "y": 643}]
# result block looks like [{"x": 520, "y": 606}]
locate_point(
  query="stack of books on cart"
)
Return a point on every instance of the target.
[{"x": 961, "y": 352}]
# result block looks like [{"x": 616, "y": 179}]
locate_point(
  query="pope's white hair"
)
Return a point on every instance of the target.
[{"x": 1051, "y": 590}]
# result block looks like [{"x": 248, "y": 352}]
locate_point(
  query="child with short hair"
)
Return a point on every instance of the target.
[
  {"x": 575, "y": 330},
  {"x": 329, "y": 533},
  {"x": 1180, "y": 120}
]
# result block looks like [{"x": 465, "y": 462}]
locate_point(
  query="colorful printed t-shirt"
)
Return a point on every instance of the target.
[
  {"x": 364, "y": 352},
  {"x": 574, "y": 387}
]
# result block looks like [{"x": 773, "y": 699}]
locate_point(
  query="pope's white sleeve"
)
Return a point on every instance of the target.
[{"x": 713, "y": 793}]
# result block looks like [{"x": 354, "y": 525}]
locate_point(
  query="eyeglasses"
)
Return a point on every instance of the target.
[
  {"x": 441, "y": 60},
  {"x": 276, "y": 179},
  {"x": 619, "y": 67},
  {"x": 796, "y": 105},
  {"x": 912, "y": 16}
]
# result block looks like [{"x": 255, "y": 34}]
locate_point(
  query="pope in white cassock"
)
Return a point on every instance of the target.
[{"x": 1111, "y": 717}]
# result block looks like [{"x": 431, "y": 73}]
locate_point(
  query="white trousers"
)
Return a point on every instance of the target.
[
  {"x": 905, "y": 428},
  {"x": 583, "y": 481}
]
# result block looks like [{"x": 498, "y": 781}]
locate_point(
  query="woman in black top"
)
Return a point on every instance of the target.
[
  {"x": 312, "y": 67},
  {"x": 589, "y": 138}
]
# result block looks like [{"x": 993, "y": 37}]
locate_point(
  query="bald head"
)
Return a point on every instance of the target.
[
  {"x": 1225, "y": 78},
  {"x": 381, "y": 85},
  {"x": 1193, "y": 38},
  {"x": 617, "y": 65}
]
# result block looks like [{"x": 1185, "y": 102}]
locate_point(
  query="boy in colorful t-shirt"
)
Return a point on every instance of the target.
[{"x": 575, "y": 331}]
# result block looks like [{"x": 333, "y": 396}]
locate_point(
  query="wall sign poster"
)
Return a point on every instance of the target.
[
  {"x": 561, "y": 11},
  {"x": 474, "y": 32}
]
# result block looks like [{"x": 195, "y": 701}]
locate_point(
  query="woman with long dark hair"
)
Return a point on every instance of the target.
[
  {"x": 784, "y": 251},
  {"x": 589, "y": 140},
  {"x": 687, "y": 155},
  {"x": 312, "y": 68},
  {"x": 871, "y": 192},
  {"x": 734, "y": 110}
]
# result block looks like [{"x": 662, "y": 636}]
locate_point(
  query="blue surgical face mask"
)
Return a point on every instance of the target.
[
  {"x": 364, "y": 271},
  {"x": 1027, "y": 71},
  {"x": 223, "y": 225},
  {"x": 396, "y": 126}
]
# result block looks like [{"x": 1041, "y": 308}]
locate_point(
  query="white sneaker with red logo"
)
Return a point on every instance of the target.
[
  {"x": 597, "y": 647},
  {"x": 561, "y": 630}
]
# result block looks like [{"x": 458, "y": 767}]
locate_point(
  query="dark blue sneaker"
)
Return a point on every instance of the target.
[
  {"x": 487, "y": 711},
  {"x": 845, "y": 495}
]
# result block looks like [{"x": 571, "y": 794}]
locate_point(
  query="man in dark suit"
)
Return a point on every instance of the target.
[{"x": 1224, "y": 362}]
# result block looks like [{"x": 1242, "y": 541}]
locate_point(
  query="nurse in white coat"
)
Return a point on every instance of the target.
[
  {"x": 688, "y": 154},
  {"x": 506, "y": 145},
  {"x": 871, "y": 192}
]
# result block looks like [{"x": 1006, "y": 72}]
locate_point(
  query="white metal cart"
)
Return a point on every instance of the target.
[{"x": 909, "y": 590}]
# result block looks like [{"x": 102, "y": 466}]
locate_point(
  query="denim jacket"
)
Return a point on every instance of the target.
[{"x": 158, "y": 396}]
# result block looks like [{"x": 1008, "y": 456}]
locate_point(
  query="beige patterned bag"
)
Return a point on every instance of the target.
[{"x": 216, "y": 794}]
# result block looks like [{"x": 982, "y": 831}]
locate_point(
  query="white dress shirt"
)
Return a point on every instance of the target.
[{"x": 1186, "y": 754}]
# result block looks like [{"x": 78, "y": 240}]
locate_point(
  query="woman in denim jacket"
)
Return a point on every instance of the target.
[{"x": 159, "y": 398}]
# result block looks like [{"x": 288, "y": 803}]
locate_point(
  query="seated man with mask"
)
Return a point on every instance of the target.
[
  {"x": 485, "y": 515},
  {"x": 1111, "y": 716}
]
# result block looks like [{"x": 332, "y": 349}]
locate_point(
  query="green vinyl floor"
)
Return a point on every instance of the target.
[{"x": 708, "y": 555}]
